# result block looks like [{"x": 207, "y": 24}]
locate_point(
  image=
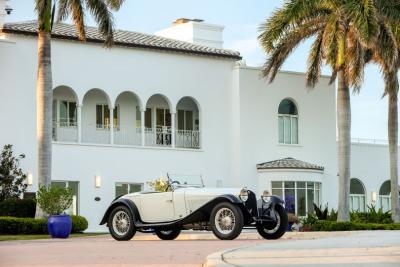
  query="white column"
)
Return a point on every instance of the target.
[
  {"x": 111, "y": 125},
  {"x": 79, "y": 122},
  {"x": 173, "y": 129},
  {"x": 142, "y": 113}
]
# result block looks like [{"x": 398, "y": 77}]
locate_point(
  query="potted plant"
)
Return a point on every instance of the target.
[{"x": 54, "y": 200}]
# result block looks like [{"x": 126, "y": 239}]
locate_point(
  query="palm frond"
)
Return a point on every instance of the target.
[
  {"x": 363, "y": 15},
  {"x": 386, "y": 50},
  {"x": 63, "y": 9},
  {"x": 115, "y": 4},
  {"x": 104, "y": 19},
  {"x": 330, "y": 40},
  {"x": 78, "y": 17},
  {"x": 290, "y": 15},
  {"x": 391, "y": 83},
  {"x": 389, "y": 9},
  {"x": 315, "y": 61},
  {"x": 355, "y": 66},
  {"x": 286, "y": 45}
]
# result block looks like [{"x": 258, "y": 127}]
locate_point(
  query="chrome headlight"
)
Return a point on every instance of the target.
[
  {"x": 244, "y": 195},
  {"x": 266, "y": 196}
]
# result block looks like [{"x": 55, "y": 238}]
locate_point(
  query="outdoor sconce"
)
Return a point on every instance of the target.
[
  {"x": 29, "y": 178},
  {"x": 373, "y": 196},
  {"x": 97, "y": 181}
]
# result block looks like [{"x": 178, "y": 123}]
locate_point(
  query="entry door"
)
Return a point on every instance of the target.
[{"x": 156, "y": 207}]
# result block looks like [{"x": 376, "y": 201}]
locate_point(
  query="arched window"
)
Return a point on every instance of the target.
[
  {"x": 288, "y": 122},
  {"x": 384, "y": 196},
  {"x": 357, "y": 195}
]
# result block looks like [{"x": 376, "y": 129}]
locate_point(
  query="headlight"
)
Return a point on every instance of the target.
[
  {"x": 266, "y": 196},
  {"x": 244, "y": 195}
]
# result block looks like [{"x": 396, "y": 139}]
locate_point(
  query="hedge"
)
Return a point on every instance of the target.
[
  {"x": 15, "y": 226},
  {"x": 352, "y": 226},
  {"x": 15, "y": 207}
]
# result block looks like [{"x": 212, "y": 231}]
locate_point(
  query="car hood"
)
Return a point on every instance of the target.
[{"x": 209, "y": 191}]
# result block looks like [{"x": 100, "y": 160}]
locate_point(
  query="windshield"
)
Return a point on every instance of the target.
[{"x": 179, "y": 180}]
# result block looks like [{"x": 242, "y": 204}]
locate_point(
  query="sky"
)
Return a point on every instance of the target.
[{"x": 241, "y": 19}]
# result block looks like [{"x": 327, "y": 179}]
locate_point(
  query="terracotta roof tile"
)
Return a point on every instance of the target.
[{"x": 288, "y": 163}]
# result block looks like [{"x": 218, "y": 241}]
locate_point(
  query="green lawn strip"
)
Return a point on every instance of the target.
[{"x": 33, "y": 237}]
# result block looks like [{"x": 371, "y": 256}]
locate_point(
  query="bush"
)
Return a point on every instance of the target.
[
  {"x": 54, "y": 200},
  {"x": 15, "y": 226},
  {"x": 15, "y": 207},
  {"x": 372, "y": 216},
  {"x": 352, "y": 226},
  {"x": 79, "y": 224}
]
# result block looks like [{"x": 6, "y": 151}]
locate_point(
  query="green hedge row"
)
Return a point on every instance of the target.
[
  {"x": 15, "y": 226},
  {"x": 15, "y": 207},
  {"x": 352, "y": 226}
]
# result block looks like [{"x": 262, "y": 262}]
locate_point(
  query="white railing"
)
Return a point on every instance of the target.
[
  {"x": 95, "y": 134},
  {"x": 65, "y": 131},
  {"x": 160, "y": 136},
  {"x": 127, "y": 136},
  {"x": 369, "y": 141},
  {"x": 187, "y": 139}
]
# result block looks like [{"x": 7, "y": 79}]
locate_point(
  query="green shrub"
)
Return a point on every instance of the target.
[
  {"x": 15, "y": 207},
  {"x": 15, "y": 226},
  {"x": 54, "y": 200},
  {"x": 352, "y": 226},
  {"x": 79, "y": 224},
  {"x": 371, "y": 216}
]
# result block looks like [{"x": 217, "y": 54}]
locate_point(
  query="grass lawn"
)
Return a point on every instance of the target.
[{"x": 32, "y": 237}]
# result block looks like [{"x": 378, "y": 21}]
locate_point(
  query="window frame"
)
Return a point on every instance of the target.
[
  {"x": 129, "y": 186},
  {"x": 68, "y": 123},
  {"x": 116, "y": 119},
  {"x": 292, "y": 118}
]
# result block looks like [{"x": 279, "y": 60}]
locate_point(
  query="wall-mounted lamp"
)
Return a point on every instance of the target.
[
  {"x": 29, "y": 178},
  {"x": 373, "y": 196},
  {"x": 97, "y": 181}
]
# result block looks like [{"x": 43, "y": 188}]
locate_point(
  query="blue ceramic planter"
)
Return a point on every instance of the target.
[
  {"x": 59, "y": 226},
  {"x": 289, "y": 227}
]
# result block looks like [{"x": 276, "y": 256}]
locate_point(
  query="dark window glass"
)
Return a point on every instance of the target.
[
  {"x": 356, "y": 187},
  {"x": 287, "y": 107},
  {"x": 301, "y": 202},
  {"x": 189, "y": 120},
  {"x": 99, "y": 115},
  {"x": 181, "y": 120},
  {"x": 147, "y": 118},
  {"x": 385, "y": 189}
]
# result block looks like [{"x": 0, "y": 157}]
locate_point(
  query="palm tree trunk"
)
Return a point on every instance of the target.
[
  {"x": 393, "y": 145},
  {"x": 44, "y": 101},
  {"x": 344, "y": 136}
]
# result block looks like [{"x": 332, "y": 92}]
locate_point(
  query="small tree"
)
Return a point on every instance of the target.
[
  {"x": 54, "y": 200},
  {"x": 12, "y": 178}
]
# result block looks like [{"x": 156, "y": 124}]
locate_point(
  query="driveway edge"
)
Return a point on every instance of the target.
[{"x": 217, "y": 259}]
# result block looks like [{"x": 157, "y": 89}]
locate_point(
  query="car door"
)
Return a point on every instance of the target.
[{"x": 157, "y": 207}]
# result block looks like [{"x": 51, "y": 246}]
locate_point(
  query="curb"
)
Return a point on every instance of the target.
[{"x": 217, "y": 259}]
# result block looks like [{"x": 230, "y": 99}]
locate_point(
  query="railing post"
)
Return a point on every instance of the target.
[
  {"x": 111, "y": 125},
  {"x": 173, "y": 129},
  {"x": 142, "y": 113},
  {"x": 79, "y": 122}
]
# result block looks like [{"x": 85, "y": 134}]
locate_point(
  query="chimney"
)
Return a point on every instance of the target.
[
  {"x": 195, "y": 31},
  {"x": 5, "y": 10}
]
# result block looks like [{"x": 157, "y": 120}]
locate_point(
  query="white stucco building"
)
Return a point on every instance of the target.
[{"x": 176, "y": 102}]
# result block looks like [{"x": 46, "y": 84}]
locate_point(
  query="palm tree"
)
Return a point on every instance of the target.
[
  {"x": 386, "y": 54},
  {"x": 46, "y": 9},
  {"x": 341, "y": 29}
]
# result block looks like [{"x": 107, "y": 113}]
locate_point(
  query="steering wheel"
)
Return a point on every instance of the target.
[{"x": 170, "y": 185}]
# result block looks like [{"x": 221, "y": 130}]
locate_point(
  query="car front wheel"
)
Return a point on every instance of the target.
[
  {"x": 276, "y": 229},
  {"x": 120, "y": 224},
  {"x": 168, "y": 234},
  {"x": 226, "y": 221}
]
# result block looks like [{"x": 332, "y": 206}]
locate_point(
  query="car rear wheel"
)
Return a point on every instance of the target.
[
  {"x": 226, "y": 221},
  {"x": 120, "y": 224},
  {"x": 168, "y": 234},
  {"x": 277, "y": 229}
]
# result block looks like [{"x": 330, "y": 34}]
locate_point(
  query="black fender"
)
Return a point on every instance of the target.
[
  {"x": 203, "y": 213},
  {"x": 122, "y": 202}
]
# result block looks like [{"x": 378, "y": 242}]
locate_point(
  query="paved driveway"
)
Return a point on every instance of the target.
[{"x": 144, "y": 250}]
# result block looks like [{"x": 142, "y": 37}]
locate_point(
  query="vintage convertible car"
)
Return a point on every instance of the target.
[{"x": 186, "y": 204}]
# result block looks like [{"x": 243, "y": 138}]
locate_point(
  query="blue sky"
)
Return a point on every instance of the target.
[{"x": 241, "y": 19}]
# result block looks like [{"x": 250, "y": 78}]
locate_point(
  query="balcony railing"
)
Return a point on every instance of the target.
[
  {"x": 123, "y": 135},
  {"x": 127, "y": 136},
  {"x": 65, "y": 131},
  {"x": 160, "y": 136},
  {"x": 187, "y": 139}
]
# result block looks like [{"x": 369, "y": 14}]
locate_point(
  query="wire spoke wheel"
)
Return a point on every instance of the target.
[
  {"x": 121, "y": 223},
  {"x": 225, "y": 220}
]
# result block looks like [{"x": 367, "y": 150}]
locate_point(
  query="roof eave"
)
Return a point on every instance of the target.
[{"x": 98, "y": 41}]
